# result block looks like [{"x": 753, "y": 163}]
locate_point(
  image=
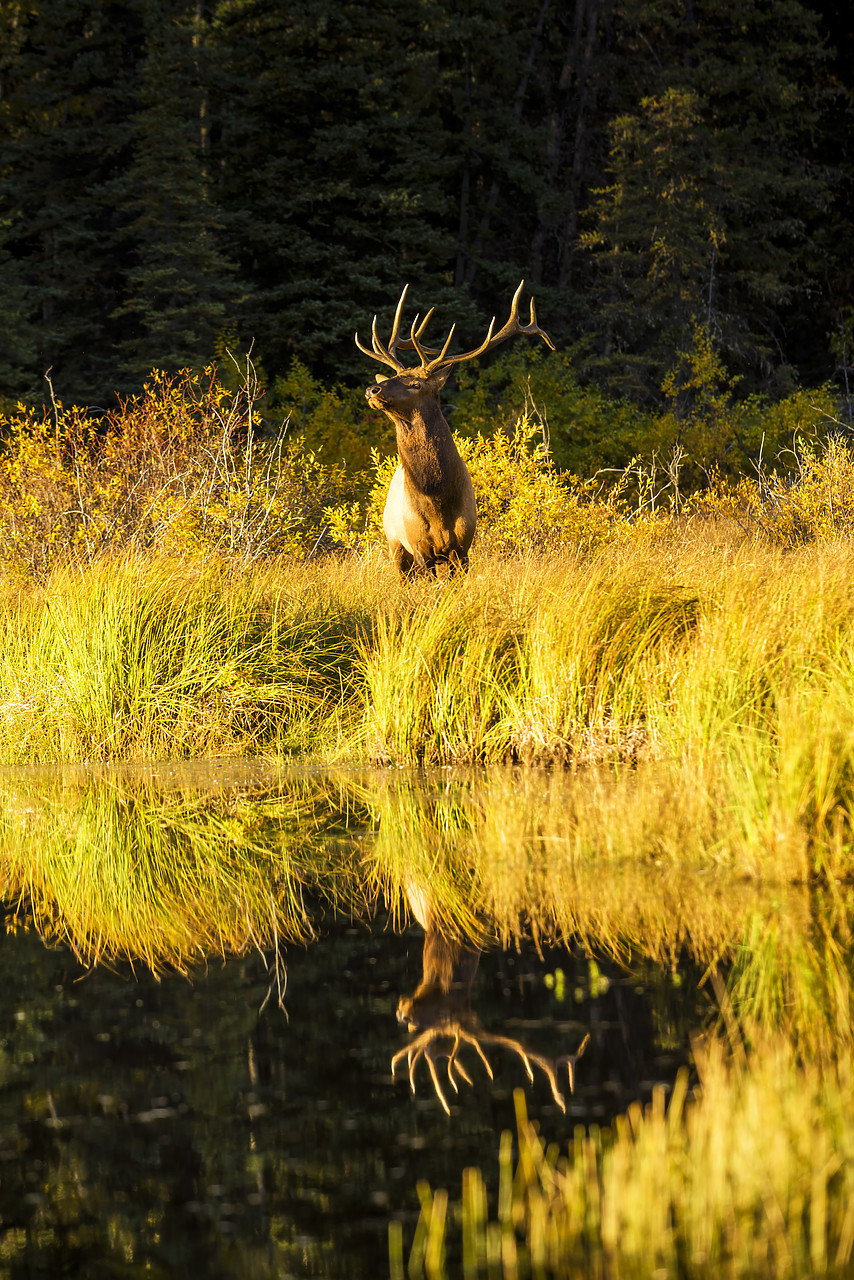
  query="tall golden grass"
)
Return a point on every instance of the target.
[
  {"x": 730, "y": 668},
  {"x": 749, "y": 1175}
]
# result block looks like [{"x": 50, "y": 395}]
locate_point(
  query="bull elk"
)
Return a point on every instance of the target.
[
  {"x": 439, "y": 1010},
  {"x": 430, "y": 513}
]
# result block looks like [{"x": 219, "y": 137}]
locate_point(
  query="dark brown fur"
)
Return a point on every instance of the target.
[{"x": 430, "y": 513}]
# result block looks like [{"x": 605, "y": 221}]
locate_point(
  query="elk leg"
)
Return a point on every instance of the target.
[
  {"x": 425, "y": 565},
  {"x": 401, "y": 558}
]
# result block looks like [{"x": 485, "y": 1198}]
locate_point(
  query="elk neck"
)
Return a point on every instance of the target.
[{"x": 426, "y": 447}]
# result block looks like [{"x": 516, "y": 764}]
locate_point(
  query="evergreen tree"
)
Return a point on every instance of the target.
[
  {"x": 68, "y": 94},
  {"x": 659, "y": 231},
  {"x": 379, "y": 146},
  {"x": 278, "y": 172},
  {"x": 820, "y": 323},
  {"x": 332, "y": 168},
  {"x": 177, "y": 283},
  {"x": 705, "y": 217}
]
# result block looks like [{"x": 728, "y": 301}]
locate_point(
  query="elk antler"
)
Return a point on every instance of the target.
[
  {"x": 510, "y": 329},
  {"x": 388, "y": 355},
  {"x": 424, "y": 1046}
]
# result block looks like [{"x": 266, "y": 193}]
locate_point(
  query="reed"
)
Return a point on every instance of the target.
[{"x": 749, "y": 1175}]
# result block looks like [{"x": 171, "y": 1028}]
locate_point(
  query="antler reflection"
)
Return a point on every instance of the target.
[
  {"x": 428, "y": 1045},
  {"x": 439, "y": 1010}
]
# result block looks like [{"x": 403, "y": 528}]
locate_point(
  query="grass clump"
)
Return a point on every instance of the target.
[
  {"x": 733, "y": 662},
  {"x": 161, "y": 660},
  {"x": 749, "y": 1175}
]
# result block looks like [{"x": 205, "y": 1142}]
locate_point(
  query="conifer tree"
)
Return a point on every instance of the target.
[
  {"x": 68, "y": 92},
  {"x": 705, "y": 214},
  {"x": 178, "y": 282},
  {"x": 329, "y": 154},
  {"x": 169, "y": 173}
]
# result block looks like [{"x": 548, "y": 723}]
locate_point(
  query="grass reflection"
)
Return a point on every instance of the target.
[
  {"x": 116, "y": 866},
  {"x": 578, "y": 859},
  {"x": 750, "y": 1172}
]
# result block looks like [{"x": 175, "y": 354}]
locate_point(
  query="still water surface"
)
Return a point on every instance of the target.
[{"x": 238, "y": 1120}]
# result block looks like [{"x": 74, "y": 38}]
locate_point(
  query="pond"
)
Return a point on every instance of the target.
[{"x": 208, "y": 970}]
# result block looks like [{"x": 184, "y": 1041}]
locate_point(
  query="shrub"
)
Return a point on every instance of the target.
[
  {"x": 592, "y": 433},
  {"x": 335, "y": 423},
  {"x": 588, "y": 430},
  {"x": 812, "y": 503},
  {"x": 181, "y": 468}
]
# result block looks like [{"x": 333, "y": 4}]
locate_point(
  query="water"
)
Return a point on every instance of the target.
[{"x": 241, "y": 1119}]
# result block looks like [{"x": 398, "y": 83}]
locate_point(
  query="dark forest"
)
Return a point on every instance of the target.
[{"x": 181, "y": 179}]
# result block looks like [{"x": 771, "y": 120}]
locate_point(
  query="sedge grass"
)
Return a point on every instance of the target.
[
  {"x": 155, "y": 660},
  {"x": 749, "y": 1176},
  {"x": 662, "y": 649}
]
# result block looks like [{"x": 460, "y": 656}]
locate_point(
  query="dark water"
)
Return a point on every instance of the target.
[
  {"x": 163, "y": 1127},
  {"x": 186, "y": 1127}
]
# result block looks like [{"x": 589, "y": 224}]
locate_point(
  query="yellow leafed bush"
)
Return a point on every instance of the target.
[
  {"x": 815, "y": 504},
  {"x": 187, "y": 468},
  {"x": 180, "y": 469}
]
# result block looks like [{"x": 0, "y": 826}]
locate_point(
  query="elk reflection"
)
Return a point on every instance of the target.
[{"x": 439, "y": 1012}]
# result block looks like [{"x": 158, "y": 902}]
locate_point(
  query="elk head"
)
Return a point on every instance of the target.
[{"x": 430, "y": 513}]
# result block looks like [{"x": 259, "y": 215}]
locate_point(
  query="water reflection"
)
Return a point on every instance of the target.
[
  {"x": 439, "y": 1012},
  {"x": 168, "y": 866},
  {"x": 150, "y": 1122},
  {"x": 165, "y": 1124}
]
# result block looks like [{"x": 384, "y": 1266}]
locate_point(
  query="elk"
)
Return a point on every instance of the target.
[
  {"x": 439, "y": 1010},
  {"x": 430, "y": 513}
]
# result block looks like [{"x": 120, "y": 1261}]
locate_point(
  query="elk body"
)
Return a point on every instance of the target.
[{"x": 430, "y": 513}]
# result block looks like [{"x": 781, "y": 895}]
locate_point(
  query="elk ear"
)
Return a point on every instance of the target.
[
  {"x": 439, "y": 377},
  {"x": 381, "y": 377}
]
